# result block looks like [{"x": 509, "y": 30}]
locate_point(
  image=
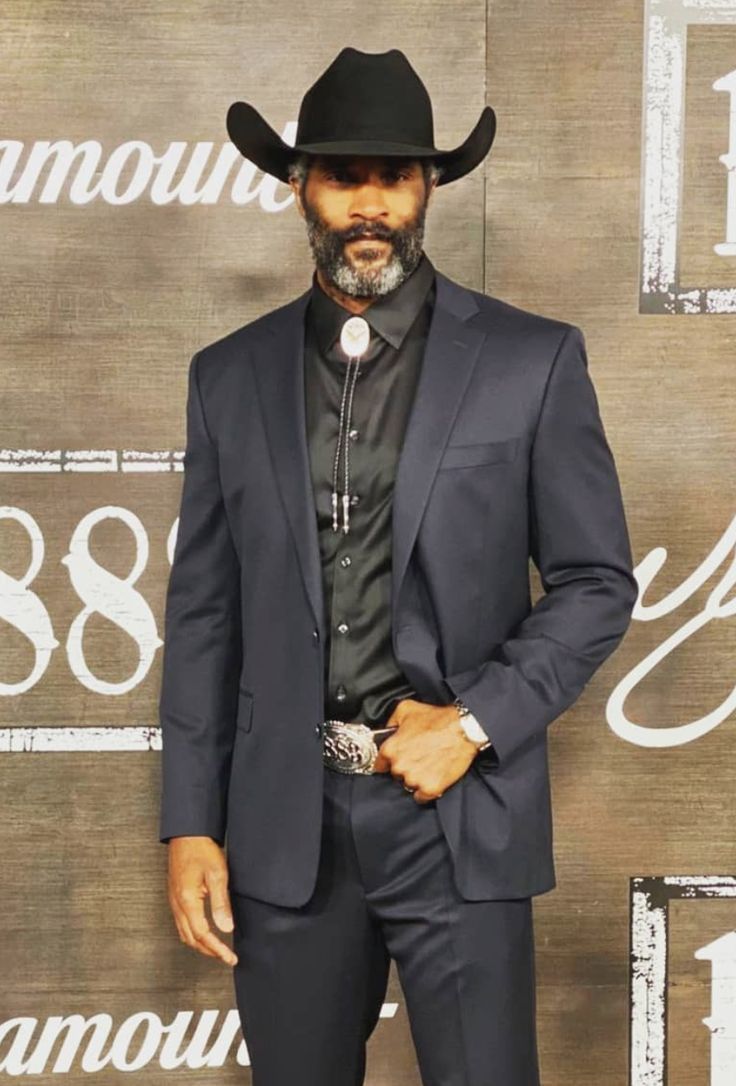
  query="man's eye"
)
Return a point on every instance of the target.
[{"x": 341, "y": 175}]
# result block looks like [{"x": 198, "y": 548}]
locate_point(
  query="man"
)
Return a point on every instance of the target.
[{"x": 356, "y": 689}]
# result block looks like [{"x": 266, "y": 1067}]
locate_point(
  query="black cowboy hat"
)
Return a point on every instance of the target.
[{"x": 362, "y": 104}]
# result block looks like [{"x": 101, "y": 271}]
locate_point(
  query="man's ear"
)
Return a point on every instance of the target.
[{"x": 294, "y": 185}]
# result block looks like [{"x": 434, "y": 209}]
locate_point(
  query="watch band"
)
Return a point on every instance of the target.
[{"x": 472, "y": 726}]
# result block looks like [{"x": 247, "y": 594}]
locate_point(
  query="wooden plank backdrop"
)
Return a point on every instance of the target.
[{"x": 103, "y": 305}]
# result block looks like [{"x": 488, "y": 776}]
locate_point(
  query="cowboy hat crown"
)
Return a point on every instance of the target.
[{"x": 362, "y": 104}]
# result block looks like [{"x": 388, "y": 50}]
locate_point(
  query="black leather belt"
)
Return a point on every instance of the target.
[{"x": 351, "y": 747}]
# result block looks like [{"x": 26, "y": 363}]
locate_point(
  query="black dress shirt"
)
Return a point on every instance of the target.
[{"x": 363, "y": 680}]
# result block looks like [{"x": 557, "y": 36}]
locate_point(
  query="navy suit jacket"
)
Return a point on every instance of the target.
[{"x": 505, "y": 458}]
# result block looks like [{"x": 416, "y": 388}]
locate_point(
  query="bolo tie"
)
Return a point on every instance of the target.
[{"x": 354, "y": 340}]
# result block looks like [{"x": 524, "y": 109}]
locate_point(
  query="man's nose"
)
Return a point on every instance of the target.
[{"x": 368, "y": 201}]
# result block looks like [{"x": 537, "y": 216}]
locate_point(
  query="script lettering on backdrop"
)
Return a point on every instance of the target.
[
  {"x": 81, "y": 169},
  {"x": 92, "y": 1044},
  {"x": 716, "y": 608}
]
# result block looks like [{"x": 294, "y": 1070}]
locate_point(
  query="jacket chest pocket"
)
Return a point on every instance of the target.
[{"x": 477, "y": 453}]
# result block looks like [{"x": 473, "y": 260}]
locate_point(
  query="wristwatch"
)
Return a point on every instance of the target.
[{"x": 471, "y": 726}]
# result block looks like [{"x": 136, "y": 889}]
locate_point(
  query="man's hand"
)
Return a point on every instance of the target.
[
  {"x": 197, "y": 867},
  {"x": 429, "y": 750}
]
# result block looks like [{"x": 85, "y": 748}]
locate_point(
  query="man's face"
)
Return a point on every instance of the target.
[{"x": 365, "y": 220}]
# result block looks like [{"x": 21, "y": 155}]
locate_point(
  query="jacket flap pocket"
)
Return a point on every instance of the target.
[
  {"x": 484, "y": 452},
  {"x": 244, "y": 718}
]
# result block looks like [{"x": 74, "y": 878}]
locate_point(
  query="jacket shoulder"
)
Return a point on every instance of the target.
[
  {"x": 496, "y": 313},
  {"x": 232, "y": 345},
  {"x": 508, "y": 327}
]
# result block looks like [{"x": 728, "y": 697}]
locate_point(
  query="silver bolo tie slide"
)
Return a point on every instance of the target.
[{"x": 355, "y": 337}]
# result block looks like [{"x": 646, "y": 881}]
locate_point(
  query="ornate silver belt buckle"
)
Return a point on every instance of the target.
[{"x": 349, "y": 748}]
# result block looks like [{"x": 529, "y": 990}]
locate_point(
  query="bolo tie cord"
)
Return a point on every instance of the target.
[
  {"x": 355, "y": 341},
  {"x": 351, "y": 376}
]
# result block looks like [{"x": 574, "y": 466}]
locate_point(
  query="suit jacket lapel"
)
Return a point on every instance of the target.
[
  {"x": 279, "y": 368},
  {"x": 451, "y": 352}
]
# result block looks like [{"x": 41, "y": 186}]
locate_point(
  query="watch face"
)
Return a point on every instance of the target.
[{"x": 473, "y": 729}]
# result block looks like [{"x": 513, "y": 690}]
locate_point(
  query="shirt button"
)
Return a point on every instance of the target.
[
  {"x": 354, "y": 435},
  {"x": 346, "y": 560},
  {"x": 342, "y": 693},
  {"x": 315, "y": 634},
  {"x": 343, "y": 627},
  {"x": 355, "y": 499}
]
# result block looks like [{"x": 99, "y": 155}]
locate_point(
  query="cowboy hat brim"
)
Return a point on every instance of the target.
[{"x": 261, "y": 144}]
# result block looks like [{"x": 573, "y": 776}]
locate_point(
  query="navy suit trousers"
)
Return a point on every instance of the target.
[{"x": 310, "y": 980}]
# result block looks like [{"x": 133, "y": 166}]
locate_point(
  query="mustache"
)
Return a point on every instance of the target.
[{"x": 378, "y": 230}]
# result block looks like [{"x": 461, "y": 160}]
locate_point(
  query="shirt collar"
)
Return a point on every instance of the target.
[{"x": 390, "y": 315}]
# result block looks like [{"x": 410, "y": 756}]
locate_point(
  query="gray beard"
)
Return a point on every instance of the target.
[
  {"x": 363, "y": 284},
  {"x": 328, "y": 253}
]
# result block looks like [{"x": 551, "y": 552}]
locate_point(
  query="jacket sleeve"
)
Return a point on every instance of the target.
[
  {"x": 202, "y": 645},
  {"x": 580, "y": 544}
]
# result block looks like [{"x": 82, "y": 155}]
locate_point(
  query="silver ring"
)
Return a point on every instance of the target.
[{"x": 411, "y": 791}]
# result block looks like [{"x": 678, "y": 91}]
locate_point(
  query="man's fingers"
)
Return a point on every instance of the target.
[
  {"x": 419, "y": 794},
  {"x": 422, "y": 797},
  {"x": 192, "y": 905},
  {"x": 381, "y": 763},
  {"x": 197, "y": 869},
  {"x": 219, "y": 898},
  {"x": 185, "y": 931},
  {"x": 208, "y": 942}
]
